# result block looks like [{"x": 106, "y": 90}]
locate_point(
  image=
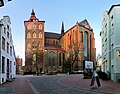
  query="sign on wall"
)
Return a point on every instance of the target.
[{"x": 88, "y": 65}]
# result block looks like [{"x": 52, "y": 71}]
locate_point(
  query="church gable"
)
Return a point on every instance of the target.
[{"x": 85, "y": 24}]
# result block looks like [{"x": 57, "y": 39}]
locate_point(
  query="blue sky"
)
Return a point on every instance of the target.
[{"x": 53, "y": 12}]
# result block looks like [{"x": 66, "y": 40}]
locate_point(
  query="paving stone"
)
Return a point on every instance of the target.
[{"x": 5, "y": 90}]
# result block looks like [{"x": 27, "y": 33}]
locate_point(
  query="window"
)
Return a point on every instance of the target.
[
  {"x": 73, "y": 35},
  {"x": 28, "y": 35},
  {"x": 3, "y": 64},
  {"x": 57, "y": 42},
  {"x": 10, "y": 50},
  {"x": 112, "y": 53},
  {"x": 4, "y": 30},
  {"x": 70, "y": 40},
  {"x": 81, "y": 36},
  {"x": 48, "y": 41},
  {"x": 53, "y": 41},
  {"x": 112, "y": 24},
  {"x": 10, "y": 38},
  {"x": 34, "y": 26},
  {"x": 3, "y": 43},
  {"x": 28, "y": 45},
  {"x": 34, "y": 44},
  {"x": 7, "y": 34},
  {"x": 34, "y": 35},
  {"x": 10, "y": 66},
  {"x": 40, "y": 45},
  {"x": 8, "y": 28},
  {"x": 34, "y": 57},
  {"x": 7, "y": 47},
  {"x": 106, "y": 25},
  {"x": 105, "y": 39},
  {"x": 90, "y": 46},
  {"x": 112, "y": 17},
  {"x": 40, "y": 26},
  {"x": 40, "y": 35},
  {"x": 45, "y": 42}
]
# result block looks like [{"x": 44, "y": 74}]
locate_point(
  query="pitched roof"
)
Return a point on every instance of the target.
[
  {"x": 85, "y": 24},
  {"x": 52, "y": 35},
  {"x": 33, "y": 17}
]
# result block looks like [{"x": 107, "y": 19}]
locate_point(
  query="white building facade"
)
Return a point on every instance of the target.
[
  {"x": 7, "y": 52},
  {"x": 110, "y": 35}
]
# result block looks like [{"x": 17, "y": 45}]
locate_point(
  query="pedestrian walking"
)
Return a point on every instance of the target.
[{"x": 95, "y": 77}]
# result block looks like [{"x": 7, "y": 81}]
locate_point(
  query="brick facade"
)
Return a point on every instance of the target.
[{"x": 76, "y": 44}]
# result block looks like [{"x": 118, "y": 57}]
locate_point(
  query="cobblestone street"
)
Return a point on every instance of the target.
[
  {"x": 57, "y": 84},
  {"x": 67, "y": 84},
  {"x": 53, "y": 85}
]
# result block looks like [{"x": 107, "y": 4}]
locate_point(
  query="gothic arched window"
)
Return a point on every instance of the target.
[
  {"x": 40, "y": 26},
  {"x": 34, "y": 44},
  {"x": 34, "y": 35},
  {"x": 81, "y": 36},
  {"x": 28, "y": 45},
  {"x": 28, "y": 35},
  {"x": 40, "y": 45},
  {"x": 40, "y": 35}
]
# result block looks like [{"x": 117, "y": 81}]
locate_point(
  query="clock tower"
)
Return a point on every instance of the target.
[{"x": 34, "y": 44}]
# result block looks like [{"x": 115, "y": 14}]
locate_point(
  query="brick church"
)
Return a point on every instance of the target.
[{"x": 49, "y": 51}]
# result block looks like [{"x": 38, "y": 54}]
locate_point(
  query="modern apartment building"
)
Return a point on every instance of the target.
[
  {"x": 7, "y": 52},
  {"x": 48, "y": 51},
  {"x": 110, "y": 35}
]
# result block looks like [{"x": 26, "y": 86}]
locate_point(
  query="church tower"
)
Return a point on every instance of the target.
[{"x": 34, "y": 44}]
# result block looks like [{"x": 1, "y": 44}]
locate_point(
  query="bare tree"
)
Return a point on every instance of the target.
[
  {"x": 73, "y": 55},
  {"x": 38, "y": 61}
]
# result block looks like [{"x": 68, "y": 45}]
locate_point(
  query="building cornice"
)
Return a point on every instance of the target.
[{"x": 112, "y": 8}]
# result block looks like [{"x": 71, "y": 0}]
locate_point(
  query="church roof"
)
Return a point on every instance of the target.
[
  {"x": 53, "y": 47},
  {"x": 52, "y": 35},
  {"x": 85, "y": 24}
]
